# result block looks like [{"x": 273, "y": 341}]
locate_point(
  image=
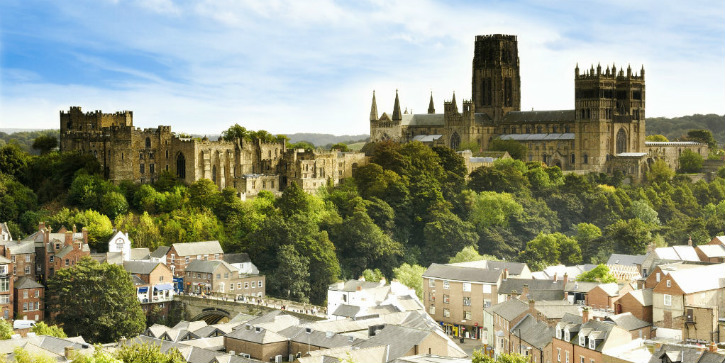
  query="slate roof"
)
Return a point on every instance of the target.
[
  {"x": 25, "y": 282},
  {"x": 580, "y": 286},
  {"x": 257, "y": 335},
  {"x": 352, "y": 285},
  {"x": 628, "y": 322},
  {"x": 198, "y": 248},
  {"x": 206, "y": 266},
  {"x": 644, "y": 296},
  {"x": 400, "y": 339},
  {"x": 538, "y": 137},
  {"x": 317, "y": 338},
  {"x": 450, "y": 272},
  {"x": 511, "y": 285},
  {"x": 140, "y": 253},
  {"x": 510, "y": 309},
  {"x": 621, "y": 259},
  {"x": 711, "y": 251},
  {"x": 710, "y": 357},
  {"x": 612, "y": 289},
  {"x": 231, "y": 258},
  {"x": 21, "y": 247},
  {"x": 140, "y": 267},
  {"x": 348, "y": 311},
  {"x": 676, "y": 353},
  {"x": 536, "y": 333},
  {"x": 677, "y": 253},
  {"x": 160, "y": 252},
  {"x": 557, "y": 310},
  {"x": 540, "y": 116},
  {"x": 703, "y": 278}
]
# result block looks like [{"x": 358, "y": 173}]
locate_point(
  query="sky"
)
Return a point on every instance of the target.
[{"x": 289, "y": 66}]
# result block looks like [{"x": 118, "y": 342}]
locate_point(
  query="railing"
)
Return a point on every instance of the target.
[{"x": 266, "y": 302}]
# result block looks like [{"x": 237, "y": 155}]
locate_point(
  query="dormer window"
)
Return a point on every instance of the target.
[
  {"x": 558, "y": 333},
  {"x": 592, "y": 343},
  {"x": 582, "y": 340},
  {"x": 567, "y": 337}
]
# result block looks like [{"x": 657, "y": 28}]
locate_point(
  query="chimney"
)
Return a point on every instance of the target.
[
  {"x": 514, "y": 294},
  {"x": 532, "y": 306},
  {"x": 689, "y": 241},
  {"x": 712, "y": 347},
  {"x": 556, "y": 277},
  {"x": 585, "y": 315},
  {"x": 525, "y": 292},
  {"x": 359, "y": 288},
  {"x": 68, "y": 238},
  {"x": 74, "y": 229},
  {"x": 565, "y": 279},
  {"x": 41, "y": 226},
  {"x": 505, "y": 274},
  {"x": 84, "y": 230},
  {"x": 69, "y": 352}
]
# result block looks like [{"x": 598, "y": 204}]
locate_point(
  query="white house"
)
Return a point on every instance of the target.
[{"x": 120, "y": 242}]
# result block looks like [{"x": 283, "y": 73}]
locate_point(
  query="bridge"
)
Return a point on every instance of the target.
[{"x": 214, "y": 310}]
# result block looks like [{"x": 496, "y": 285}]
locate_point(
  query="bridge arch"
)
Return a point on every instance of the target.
[{"x": 212, "y": 315}]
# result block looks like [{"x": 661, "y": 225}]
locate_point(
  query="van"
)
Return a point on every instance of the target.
[{"x": 23, "y": 324}]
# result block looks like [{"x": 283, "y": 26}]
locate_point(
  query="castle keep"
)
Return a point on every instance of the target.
[
  {"x": 605, "y": 132},
  {"x": 141, "y": 155}
]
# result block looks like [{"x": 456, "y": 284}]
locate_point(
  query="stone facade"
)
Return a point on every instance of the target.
[
  {"x": 141, "y": 155},
  {"x": 605, "y": 132}
]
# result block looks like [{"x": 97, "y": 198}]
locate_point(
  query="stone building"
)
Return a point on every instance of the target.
[
  {"x": 249, "y": 166},
  {"x": 605, "y": 132}
]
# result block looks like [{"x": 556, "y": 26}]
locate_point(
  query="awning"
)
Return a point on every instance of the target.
[
  {"x": 164, "y": 287},
  {"x": 143, "y": 290}
]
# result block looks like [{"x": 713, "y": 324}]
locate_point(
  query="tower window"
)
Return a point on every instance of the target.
[{"x": 148, "y": 142}]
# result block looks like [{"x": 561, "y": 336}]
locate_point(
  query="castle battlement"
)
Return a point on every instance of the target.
[{"x": 608, "y": 74}]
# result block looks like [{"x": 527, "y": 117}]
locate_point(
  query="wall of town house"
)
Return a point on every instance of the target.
[
  {"x": 180, "y": 262},
  {"x": 455, "y": 305},
  {"x": 23, "y": 263},
  {"x": 598, "y": 298},
  {"x": 264, "y": 352},
  {"x": 524, "y": 348},
  {"x": 559, "y": 348},
  {"x": 23, "y": 307},
  {"x": 705, "y": 324}
]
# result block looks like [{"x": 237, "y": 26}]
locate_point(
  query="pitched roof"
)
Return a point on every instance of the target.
[
  {"x": 25, "y": 282},
  {"x": 677, "y": 253},
  {"x": 510, "y": 309},
  {"x": 676, "y": 353},
  {"x": 140, "y": 267},
  {"x": 710, "y": 357},
  {"x": 348, "y": 311},
  {"x": 400, "y": 339},
  {"x": 556, "y": 309},
  {"x": 450, "y": 272},
  {"x": 643, "y": 296},
  {"x": 206, "y": 266},
  {"x": 628, "y": 322},
  {"x": 257, "y": 335},
  {"x": 511, "y": 285},
  {"x": 140, "y": 253},
  {"x": 533, "y": 332},
  {"x": 236, "y": 258},
  {"x": 580, "y": 286},
  {"x": 711, "y": 251},
  {"x": 622, "y": 259},
  {"x": 318, "y": 338},
  {"x": 611, "y": 289},
  {"x": 198, "y": 248},
  {"x": 353, "y": 285},
  {"x": 539, "y": 116},
  {"x": 21, "y": 247},
  {"x": 160, "y": 252},
  {"x": 704, "y": 278},
  {"x": 423, "y": 119}
]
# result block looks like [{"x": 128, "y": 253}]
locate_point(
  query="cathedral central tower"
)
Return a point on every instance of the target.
[{"x": 496, "y": 81}]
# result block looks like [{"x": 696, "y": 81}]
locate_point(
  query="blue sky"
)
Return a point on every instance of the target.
[{"x": 310, "y": 66}]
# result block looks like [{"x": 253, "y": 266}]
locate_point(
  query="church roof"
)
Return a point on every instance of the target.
[
  {"x": 423, "y": 119},
  {"x": 540, "y": 116},
  {"x": 426, "y": 138},
  {"x": 538, "y": 137}
]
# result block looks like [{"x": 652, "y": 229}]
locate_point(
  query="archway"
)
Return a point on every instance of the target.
[
  {"x": 621, "y": 141},
  {"x": 180, "y": 166},
  {"x": 455, "y": 141}
]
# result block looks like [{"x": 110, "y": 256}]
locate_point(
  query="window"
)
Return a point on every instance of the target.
[
  {"x": 467, "y": 315},
  {"x": 226, "y": 275},
  {"x": 151, "y": 168},
  {"x": 432, "y": 296},
  {"x": 558, "y": 354},
  {"x": 486, "y": 303},
  {"x": 141, "y": 168},
  {"x": 658, "y": 277},
  {"x": 592, "y": 343},
  {"x": 669, "y": 283},
  {"x": 37, "y": 293},
  {"x": 13, "y": 259},
  {"x": 446, "y": 313},
  {"x": 216, "y": 256},
  {"x": 67, "y": 262},
  {"x": 432, "y": 310},
  {"x": 567, "y": 337},
  {"x": 25, "y": 306},
  {"x": 467, "y": 286},
  {"x": 198, "y": 257},
  {"x": 231, "y": 287},
  {"x": 186, "y": 259},
  {"x": 4, "y": 284},
  {"x": 486, "y": 289},
  {"x": 259, "y": 283},
  {"x": 567, "y": 357},
  {"x": 668, "y": 300},
  {"x": 431, "y": 283},
  {"x": 466, "y": 301},
  {"x": 246, "y": 285},
  {"x": 27, "y": 270},
  {"x": 446, "y": 285},
  {"x": 558, "y": 333},
  {"x": 581, "y": 359},
  {"x": 446, "y": 299},
  {"x": 25, "y": 294},
  {"x": 218, "y": 276},
  {"x": 161, "y": 278},
  {"x": 239, "y": 285},
  {"x": 582, "y": 340}
]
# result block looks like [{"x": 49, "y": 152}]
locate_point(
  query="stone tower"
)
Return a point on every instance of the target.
[
  {"x": 609, "y": 112},
  {"x": 496, "y": 87}
]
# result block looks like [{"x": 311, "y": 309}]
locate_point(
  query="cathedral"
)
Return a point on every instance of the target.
[{"x": 605, "y": 132}]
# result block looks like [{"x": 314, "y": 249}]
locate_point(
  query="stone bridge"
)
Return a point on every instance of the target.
[{"x": 214, "y": 310}]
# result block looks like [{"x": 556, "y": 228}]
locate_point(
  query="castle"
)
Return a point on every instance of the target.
[
  {"x": 249, "y": 166},
  {"x": 605, "y": 132}
]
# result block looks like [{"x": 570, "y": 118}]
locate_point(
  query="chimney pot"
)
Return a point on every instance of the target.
[
  {"x": 69, "y": 352},
  {"x": 585, "y": 315},
  {"x": 68, "y": 238}
]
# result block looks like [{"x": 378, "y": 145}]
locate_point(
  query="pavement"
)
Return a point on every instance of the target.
[{"x": 469, "y": 345}]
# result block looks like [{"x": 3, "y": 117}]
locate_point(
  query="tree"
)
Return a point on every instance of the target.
[
  {"x": 340, "y": 147},
  {"x": 600, "y": 274},
  {"x": 656, "y": 138},
  {"x": 445, "y": 234},
  {"x": 411, "y": 276},
  {"x": 659, "y": 172},
  {"x": 6, "y": 329},
  {"x": 13, "y": 161},
  {"x": 468, "y": 254},
  {"x": 24, "y": 356},
  {"x": 516, "y": 149},
  {"x": 690, "y": 161},
  {"x": 45, "y": 143},
  {"x": 703, "y": 136},
  {"x": 148, "y": 353},
  {"x": 480, "y": 357},
  {"x": 41, "y": 328},
  {"x": 292, "y": 276},
  {"x": 588, "y": 236},
  {"x": 642, "y": 210},
  {"x": 541, "y": 252},
  {"x": 235, "y": 132},
  {"x": 373, "y": 275},
  {"x": 108, "y": 296},
  {"x": 630, "y": 237}
]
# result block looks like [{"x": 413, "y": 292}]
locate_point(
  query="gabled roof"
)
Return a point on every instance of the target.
[
  {"x": 710, "y": 357},
  {"x": 677, "y": 253},
  {"x": 628, "y": 322},
  {"x": 676, "y": 353},
  {"x": 704, "y": 278},
  {"x": 643, "y": 296},
  {"x": 580, "y": 286},
  {"x": 206, "y": 266},
  {"x": 140, "y": 253},
  {"x": 348, "y": 311},
  {"x": 622, "y": 259},
  {"x": 450, "y": 272},
  {"x": 540, "y": 116},
  {"x": 140, "y": 267},
  {"x": 198, "y": 248},
  {"x": 160, "y": 252},
  {"x": 400, "y": 339},
  {"x": 533, "y": 332},
  {"x": 318, "y": 338},
  {"x": 611, "y": 289},
  {"x": 711, "y": 251},
  {"x": 257, "y": 335},
  {"x": 510, "y": 309},
  {"x": 25, "y": 282},
  {"x": 517, "y": 285}
]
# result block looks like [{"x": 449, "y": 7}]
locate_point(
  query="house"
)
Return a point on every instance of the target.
[
  {"x": 55, "y": 251},
  {"x": 455, "y": 295},
  {"x": 505, "y": 315},
  {"x": 688, "y": 304},
  {"x": 154, "y": 284},
  {"x": 532, "y": 338},
  {"x": 5, "y": 234},
  {"x": 636, "y": 302},
  {"x": 579, "y": 339},
  {"x": 180, "y": 255},
  {"x": 532, "y": 289},
  {"x": 28, "y": 302},
  {"x": 404, "y": 341},
  {"x": 354, "y": 295},
  {"x": 216, "y": 276},
  {"x": 576, "y": 291},
  {"x": 120, "y": 243},
  {"x": 639, "y": 329},
  {"x": 665, "y": 255},
  {"x": 242, "y": 262},
  {"x": 604, "y": 296},
  {"x": 6, "y": 289},
  {"x": 22, "y": 254},
  {"x": 714, "y": 253}
]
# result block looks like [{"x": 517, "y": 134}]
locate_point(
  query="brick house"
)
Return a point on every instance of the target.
[
  {"x": 505, "y": 316},
  {"x": 28, "y": 302},
  {"x": 688, "y": 303},
  {"x": 58, "y": 250},
  {"x": 639, "y": 329},
  {"x": 605, "y": 295},
  {"x": 580, "y": 340},
  {"x": 22, "y": 254},
  {"x": 637, "y": 302},
  {"x": 154, "y": 284},
  {"x": 714, "y": 253},
  {"x": 6, "y": 289},
  {"x": 179, "y": 255},
  {"x": 532, "y": 338},
  {"x": 219, "y": 277}
]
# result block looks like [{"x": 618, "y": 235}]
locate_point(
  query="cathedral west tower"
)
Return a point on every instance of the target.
[{"x": 496, "y": 85}]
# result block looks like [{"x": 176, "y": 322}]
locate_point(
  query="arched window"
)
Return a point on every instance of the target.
[
  {"x": 538, "y": 129},
  {"x": 573, "y": 158},
  {"x": 180, "y": 166},
  {"x": 621, "y": 141},
  {"x": 148, "y": 142},
  {"x": 455, "y": 141},
  {"x": 213, "y": 174},
  {"x": 585, "y": 159}
]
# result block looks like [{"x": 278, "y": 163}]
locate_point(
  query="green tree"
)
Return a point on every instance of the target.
[
  {"x": 494, "y": 209},
  {"x": 45, "y": 143},
  {"x": 445, "y": 234},
  {"x": 517, "y": 150},
  {"x": 41, "y": 328},
  {"x": 373, "y": 275},
  {"x": 642, "y": 210},
  {"x": 204, "y": 193},
  {"x": 589, "y": 238},
  {"x": 600, "y": 273},
  {"x": 690, "y": 161},
  {"x": 6, "y": 329},
  {"x": 656, "y": 138},
  {"x": 541, "y": 252},
  {"x": 411, "y": 276},
  {"x": 469, "y": 254},
  {"x": 24, "y": 356},
  {"x": 291, "y": 278},
  {"x": 108, "y": 296},
  {"x": 235, "y": 132},
  {"x": 148, "y": 353},
  {"x": 340, "y": 147},
  {"x": 480, "y": 357},
  {"x": 703, "y": 136},
  {"x": 631, "y": 236},
  {"x": 13, "y": 161},
  {"x": 114, "y": 204},
  {"x": 659, "y": 172}
]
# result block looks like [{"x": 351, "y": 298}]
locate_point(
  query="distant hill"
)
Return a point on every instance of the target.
[
  {"x": 677, "y": 127},
  {"x": 24, "y": 137},
  {"x": 323, "y": 140}
]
